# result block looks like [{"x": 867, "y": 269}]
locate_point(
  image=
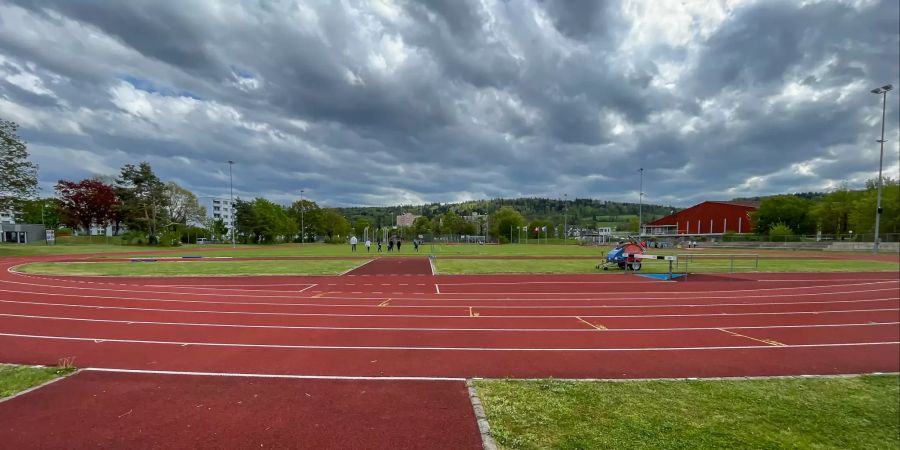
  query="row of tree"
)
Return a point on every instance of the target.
[{"x": 839, "y": 212}]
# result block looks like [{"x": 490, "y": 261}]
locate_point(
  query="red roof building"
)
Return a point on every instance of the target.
[{"x": 709, "y": 217}]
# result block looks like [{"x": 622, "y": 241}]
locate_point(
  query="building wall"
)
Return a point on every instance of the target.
[
  {"x": 219, "y": 208},
  {"x": 406, "y": 220},
  {"x": 710, "y": 218}
]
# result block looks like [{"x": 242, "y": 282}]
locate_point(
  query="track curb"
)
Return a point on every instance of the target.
[{"x": 487, "y": 441}]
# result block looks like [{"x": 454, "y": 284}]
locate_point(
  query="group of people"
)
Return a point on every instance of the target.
[{"x": 392, "y": 242}]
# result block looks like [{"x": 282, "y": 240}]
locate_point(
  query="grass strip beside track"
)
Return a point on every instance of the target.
[
  {"x": 192, "y": 268},
  {"x": 15, "y": 379},
  {"x": 841, "y": 413},
  {"x": 478, "y": 266}
]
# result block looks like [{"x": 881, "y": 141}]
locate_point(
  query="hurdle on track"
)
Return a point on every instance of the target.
[{"x": 671, "y": 259}]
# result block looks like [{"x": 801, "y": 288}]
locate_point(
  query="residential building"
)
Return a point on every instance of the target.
[
  {"x": 219, "y": 208},
  {"x": 8, "y": 216},
  {"x": 707, "y": 218},
  {"x": 406, "y": 219}
]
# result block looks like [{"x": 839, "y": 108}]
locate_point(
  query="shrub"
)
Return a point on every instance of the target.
[{"x": 780, "y": 230}]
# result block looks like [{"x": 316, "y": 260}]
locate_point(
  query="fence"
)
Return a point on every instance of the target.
[{"x": 710, "y": 262}]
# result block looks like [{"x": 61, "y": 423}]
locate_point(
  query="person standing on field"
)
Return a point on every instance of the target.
[
  {"x": 368, "y": 245},
  {"x": 399, "y": 240},
  {"x": 353, "y": 242}
]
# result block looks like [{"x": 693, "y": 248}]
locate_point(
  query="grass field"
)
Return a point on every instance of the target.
[
  {"x": 474, "y": 266},
  {"x": 821, "y": 413},
  {"x": 18, "y": 378},
  {"x": 204, "y": 268}
]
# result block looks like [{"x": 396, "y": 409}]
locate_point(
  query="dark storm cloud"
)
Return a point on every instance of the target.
[{"x": 379, "y": 102}]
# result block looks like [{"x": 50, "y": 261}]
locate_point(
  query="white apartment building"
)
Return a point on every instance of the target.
[
  {"x": 8, "y": 217},
  {"x": 219, "y": 208}
]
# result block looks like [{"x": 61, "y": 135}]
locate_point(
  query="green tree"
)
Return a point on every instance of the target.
[
  {"x": 334, "y": 224},
  {"x": 436, "y": 226},
  {"x": 832, "y": 213},
  {"x": 308, "y": 214},
  {"x": 359, "y": 227},
  {"x": 144, "y": 200},
  {"x": 789, "y": 210},
  {"x": 422, "y": 225},
  {"x": 217, "y": 229},
  {"x": 18, "y": 175},
  {"x": 862, "y": 216},
  {"x": 42, "y": 210},
  {"x": 780, "y": 230},
  {"x": 451, "y": 223},
  {"x": 506, "y": 222},
  {"x": 183, "y": 206}
]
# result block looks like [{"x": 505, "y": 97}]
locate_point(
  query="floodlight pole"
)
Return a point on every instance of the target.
[
  {"x": 641, "y": 205},
  {"x": 231, "y": 206},
  {"x": 565, "y": 217},
  {"x": 883, "y": 91},
  {"x": 302, "y": 227}
]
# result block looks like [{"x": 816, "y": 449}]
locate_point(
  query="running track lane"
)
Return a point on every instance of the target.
[
  {"x": 534, "y": 326},
  {"x": 138, "y": 411}
]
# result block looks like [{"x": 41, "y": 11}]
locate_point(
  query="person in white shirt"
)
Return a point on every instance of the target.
[
  {"x": 353, "y": 242},
  {"x": 368, "y": 245}
]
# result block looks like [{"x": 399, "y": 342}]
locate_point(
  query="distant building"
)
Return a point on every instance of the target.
[
  {"x": 475, "y": 217},
  {"x": 219, "y": 208},
  {"x": 8, "y": 216},
  {"x": 406, "y": 219},
  {"x": 707, "y": 218}
]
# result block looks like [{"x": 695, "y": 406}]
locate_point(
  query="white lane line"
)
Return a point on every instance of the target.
[
  {"x": 542, "y": 330},
  {"x": 437, "y": 289},
  {"x": 308, "y": 287},
  {"x": 514, "y": 283},
  {"x": 470, "y": 300},
  {"x": 476, "y": 349},
  {"x": 433, "y": 306},
  {"x": 267, "y": 375},
  {"x": 264, "y": 313},
  {"x": 431, "y": 263},
  {"x": 630, "y": 295},
  {"x": 356, "y": 267}
]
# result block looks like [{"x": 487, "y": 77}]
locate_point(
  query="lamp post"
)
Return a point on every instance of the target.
[
  {"x": 565, "y": 217},
  {"x": 302, "y": 225},
  {"x": 641, "y": 205},
  {"x": 883, "y": 92},
  {"x": 231, "y": 206}
]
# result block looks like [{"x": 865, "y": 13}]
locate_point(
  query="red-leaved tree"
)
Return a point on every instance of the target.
[{"x": 86, "y": 202}]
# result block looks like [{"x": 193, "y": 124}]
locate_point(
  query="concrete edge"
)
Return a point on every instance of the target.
[
  {"x": 733, "y": 378},
  {"x": 487, "y": 441},
  {"x": 34, "y": 388}
]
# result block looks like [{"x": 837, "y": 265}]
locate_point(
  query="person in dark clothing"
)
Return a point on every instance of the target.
[
  {"x": 379, "y": 246},
  {"x": 399, "y": 240},
  {"x": 416, "y": 245}
]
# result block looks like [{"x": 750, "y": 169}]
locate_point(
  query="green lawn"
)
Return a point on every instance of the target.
[
  {"x": 204, "y": 268},
  {"x": 18, "y": 378},
  {"x": 821, "y": 413},
  {"x": 475, "y": 266}
]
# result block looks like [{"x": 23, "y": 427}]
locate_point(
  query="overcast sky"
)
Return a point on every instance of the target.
[{"x": 379, "y": 102}]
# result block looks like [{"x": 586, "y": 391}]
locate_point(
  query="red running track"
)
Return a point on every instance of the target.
[{"x": 392, "y": 318}]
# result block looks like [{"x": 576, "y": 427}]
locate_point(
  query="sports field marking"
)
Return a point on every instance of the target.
[
  {"x": 385, "y": 303},
  {"x": 475, "y": 349},
  {"x": 357, "y": 267},
  {"x": 764, "y": 341},
  {"x": 594, "y": 326},
  {"x": 431, "y": 306},
  {"x": 539, "y": 316},
  {"x": 540, "y": 330},
  {"x": 308, "y": 287}
]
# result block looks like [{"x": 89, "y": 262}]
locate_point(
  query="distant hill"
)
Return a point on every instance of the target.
[
  {"x": 814, "y": 196},
  {"x": 581, "y": 211}
]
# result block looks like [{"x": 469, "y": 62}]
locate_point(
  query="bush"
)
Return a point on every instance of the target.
[
  {"x": 133, "y": 237},
  {"x": 780, "y": 231},
  {"x": 170, "y": 239}
]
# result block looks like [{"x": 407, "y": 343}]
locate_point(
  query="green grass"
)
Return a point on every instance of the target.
[
  {"x": 205, "y": 268},
  {"x": 18, "y": 378},
  {"x": 475, "y": 266},
  {"x": 819, "y": 413}
]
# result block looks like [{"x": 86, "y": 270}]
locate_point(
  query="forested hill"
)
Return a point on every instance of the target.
[{"x": 581, "y": 211}]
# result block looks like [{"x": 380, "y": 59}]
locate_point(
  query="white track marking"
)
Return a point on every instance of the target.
[
  {"x": 266, "y": 375},
  {"x": 432, "y": 306},
  {"x": 308, "y": 287},
  {"x": 463, "y": 314},
  {"x": 475, "y": 349},
  {"x": 543, "y": 330},
  {"x": 469, "y": 300},
  {"x": 437, "y": 288},
  {"x": 356, "y": 267}
]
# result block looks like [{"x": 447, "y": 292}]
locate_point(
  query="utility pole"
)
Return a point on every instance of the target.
[
  {"x": 565, "y": 217},
  {"x": 641, "y": 206},
  {"x": 231, "y": 206},
  {"x": 302, "y": 224},
  {"x": 883, "y": 91}
]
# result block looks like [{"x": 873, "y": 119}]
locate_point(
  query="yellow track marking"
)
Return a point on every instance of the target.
[
  {"x": 597, "y": 326},
  {"x": 764, "y": 341},
  {"x": 385, "y": 303}
]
